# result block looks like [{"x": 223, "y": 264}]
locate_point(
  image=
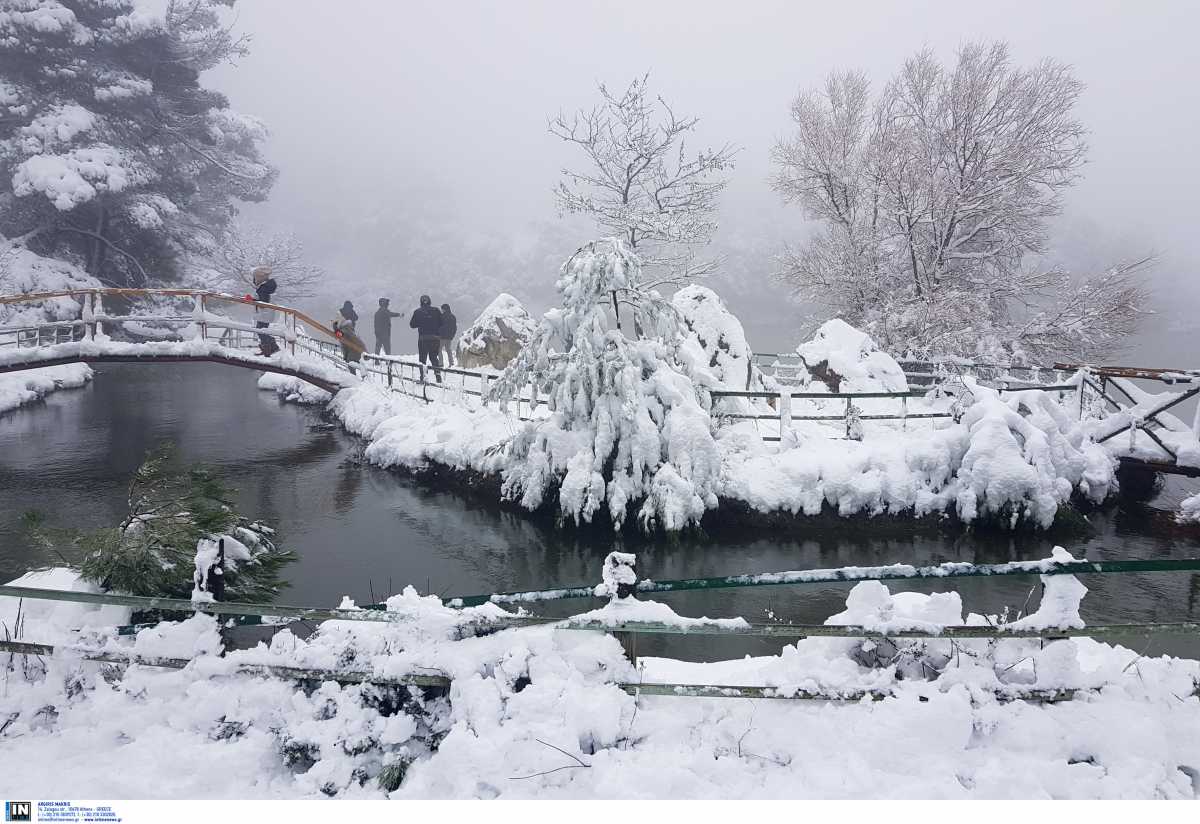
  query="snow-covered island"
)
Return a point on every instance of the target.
[{"x": 631, "y": 432}]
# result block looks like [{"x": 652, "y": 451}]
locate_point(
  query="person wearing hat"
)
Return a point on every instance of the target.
[
  {"x": 427, "y": 320},
  {"x": 264, "y": 288},
  {"x": 383, "y": 327}
]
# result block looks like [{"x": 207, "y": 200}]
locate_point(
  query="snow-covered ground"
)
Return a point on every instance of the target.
[{"x": 535, "y": 712}]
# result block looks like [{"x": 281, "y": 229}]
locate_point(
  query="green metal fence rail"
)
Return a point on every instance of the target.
[
  {"x": 889, "y": 572},
  {"x": 729, "y": 627},
  {"x": 444, "y": 682}
]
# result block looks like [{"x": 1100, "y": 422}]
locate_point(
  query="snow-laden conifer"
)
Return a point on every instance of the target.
[{"x": 628, "y": 425}]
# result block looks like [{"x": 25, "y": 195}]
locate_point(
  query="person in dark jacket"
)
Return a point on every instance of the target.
[
  {"x": 264, "y": 287},
  {"x": 343, "y": 326},
  {"x": 428, "y": 323},
  {"x": 383, "y": 327},
  {"x": 447, "y": 331}
]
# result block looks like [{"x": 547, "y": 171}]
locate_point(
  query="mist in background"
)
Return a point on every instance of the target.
[{"x": 414, "y": 155}]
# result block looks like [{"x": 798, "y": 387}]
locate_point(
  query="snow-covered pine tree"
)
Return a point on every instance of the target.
[
  {"x": 628, "y": 423},
  {"x": 176, "y": 516},
  {"x": 112, "y": 154}
]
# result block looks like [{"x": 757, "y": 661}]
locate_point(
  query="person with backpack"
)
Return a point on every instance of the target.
[
  {"x": 446, "y": 333},
  {"x": 264, "y": 288},
  {"x": 383, "y": 327},
  {"x": 428, "y": 322}
]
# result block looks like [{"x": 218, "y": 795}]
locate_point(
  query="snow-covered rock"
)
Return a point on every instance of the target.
[
  {"x": 846, "y": 359},
  {"x": 497, "y": 336},
  {"x": 721, "y": 338}
]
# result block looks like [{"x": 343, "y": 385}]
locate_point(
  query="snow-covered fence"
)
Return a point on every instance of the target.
[
  {"x": 784, "y": 367},
  {"x": 785, "y": 410},
  {"x": 1056, "y": 618}
]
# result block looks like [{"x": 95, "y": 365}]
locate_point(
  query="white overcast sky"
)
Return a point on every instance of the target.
[{"x": 376, "y": 96}]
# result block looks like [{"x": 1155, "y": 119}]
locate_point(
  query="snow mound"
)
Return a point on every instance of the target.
[
  {"x": 496, "y": 337},
  {"x": 55, "y": 621}
]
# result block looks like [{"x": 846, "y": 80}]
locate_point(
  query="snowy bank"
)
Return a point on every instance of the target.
[
  {"x": 536, "y": 712},
  {"x": 1010, "y": 460},
  {"x": 20, "y": 388}
]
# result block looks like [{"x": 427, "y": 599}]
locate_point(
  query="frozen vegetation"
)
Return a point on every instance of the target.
[{"x": 536, "y": 712}]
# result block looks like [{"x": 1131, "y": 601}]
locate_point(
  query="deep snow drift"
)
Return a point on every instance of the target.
[{"x": 536, "y": 712}]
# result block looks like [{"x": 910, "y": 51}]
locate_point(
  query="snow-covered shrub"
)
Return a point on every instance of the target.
[
  {"x": 626, "y": 421},
  {"x": 1025, "y": 457}
]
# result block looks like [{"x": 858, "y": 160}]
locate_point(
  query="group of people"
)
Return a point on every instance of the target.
[{"x": 436, "y": 329}]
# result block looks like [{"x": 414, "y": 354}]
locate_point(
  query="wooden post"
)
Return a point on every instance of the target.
[
  {"x": 389, "y": 373},
  {"x": 89, "y": 321},
  {"x": 785, "y": 412},
  {"x": 904, "y": 412},
  {"x": 203, "y": 324},
  {"x": 849, "y": 402}
]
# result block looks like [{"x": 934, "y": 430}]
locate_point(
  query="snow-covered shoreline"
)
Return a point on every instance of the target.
[
  {"x": 20, "y": 388},
  {"x": 971, "y": 472}
]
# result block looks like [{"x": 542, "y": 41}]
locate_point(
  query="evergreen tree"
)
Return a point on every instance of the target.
[
  {"x": 628, "y": 423},
  {"x": 112, "y": 154},
  {"x": 175, "y": 516}
]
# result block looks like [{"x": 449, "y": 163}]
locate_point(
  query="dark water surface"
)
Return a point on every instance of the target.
[{"x": 362, "y": 531}]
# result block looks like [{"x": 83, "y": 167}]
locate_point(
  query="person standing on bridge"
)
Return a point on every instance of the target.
[
  {"x": 447, "y": 331},
  {"x": 264, "y": 288},
  {"x": 343, "y": 327},
  {"x": 428, "y": 322},
  {"x": 383, "y": 327}
]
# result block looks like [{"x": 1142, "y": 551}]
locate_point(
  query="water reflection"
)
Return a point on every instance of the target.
[{"x": 361, "y": 531}]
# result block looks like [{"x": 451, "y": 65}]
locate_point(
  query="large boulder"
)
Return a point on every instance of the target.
[
  {"x": 846, "y": 359},
  {"x": 497, "y": 335},
  {"x": 720, "y": 336}
]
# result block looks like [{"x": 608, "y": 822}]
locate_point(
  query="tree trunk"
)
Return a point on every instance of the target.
[{"x": 99, "y": 247}]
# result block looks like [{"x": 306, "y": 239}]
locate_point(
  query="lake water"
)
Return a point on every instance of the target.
[{"x": 363, "y": 532}]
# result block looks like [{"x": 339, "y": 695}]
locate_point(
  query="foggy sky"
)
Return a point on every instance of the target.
[{"x": 383, "y": 99}]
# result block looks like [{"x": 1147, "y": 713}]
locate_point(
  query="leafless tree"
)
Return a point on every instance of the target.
[
  {"x": 246, "y": 247},
  {"x": 934, "y": 197},
  {"x": 641, "y": 183}
]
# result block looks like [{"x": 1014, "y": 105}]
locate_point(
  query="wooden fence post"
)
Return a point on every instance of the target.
[{"x": 203, "y": 325}]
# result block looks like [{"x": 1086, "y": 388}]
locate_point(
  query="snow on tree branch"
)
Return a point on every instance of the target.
[
  {"x": 627, "y": 422},
  {"x": 934, "y": 196},
  {"x": 641, "y": 183}
]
